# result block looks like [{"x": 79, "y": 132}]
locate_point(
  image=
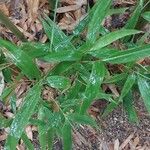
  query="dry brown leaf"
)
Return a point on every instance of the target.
[
  {"x": 3, "y": 137},
  {"x": 33, "y": 9},
  {"x": 29, "y": 132},
  {"x": 4, "y": 9},
  {"x": 136, "y": 141},
  {"x": 67, "y": 8}
]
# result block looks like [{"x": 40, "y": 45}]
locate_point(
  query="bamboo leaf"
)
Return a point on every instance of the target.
[
  {"x": 60, "y": 40},
  {"x": 22, "y": 117},
  {"x": 20, "y": 59},
  {"x": 128, "y": 85},
  {"x": 146, "y": 15},
  {"x": 144, "y": 87},
  {"x": 82, "y": 119},
  {"x": 130, "y": 55},
  {"x": 92, "y": 89},
  {"x": 129, "y": 107},
  {"x": 111, "y": 37},
  {"x": 101, "y": 9},
  {"x": 67, "y": 137}
]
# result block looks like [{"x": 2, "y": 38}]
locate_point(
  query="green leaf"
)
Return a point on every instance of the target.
[
  {"x": 58, "y": 82},
  {"x": 61, "y": 68},
  {"x": 4, "y": 123},
  {"x": 111, "y": 37},
  {"x": 146, "y": 15},
  {"x": 42, "y": 136},
  {"x": 130, "y": 55},
  {"x": 129, "y": 107},
  {"x": 93, "y": 87},
  {"x": 22, "y": 117},
  {"x": 116, "y": 78},
  {"x": 60, "y": 40},
  {"x": 27, "y": 142},
  {"x": 35, "y": 50},
  {"x": 110, "y": 107},
  {"x": 100, "y": 10},
  {"x": 103, "y": 53},
  {"x": 144, "y": 87},
  {"x": 131, "y": 23},
  {"x": 116, "y": 11},
  {"x": 128, "y": 85},
  {"x": 74, "y": 90},
  {"x": 20, "y": 59},
  {"x": 50, "y": 136},
  {"x": 63, "y": 55},
  {"x": 67, "y": 137},
  {"x": 82, "y": 119}
]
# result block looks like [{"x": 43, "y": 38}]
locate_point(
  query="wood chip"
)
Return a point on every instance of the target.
[
  {"x": 67, "y": 8},
  {"x": 122, "y": 146},
  {"x": 116, "y": 144}
]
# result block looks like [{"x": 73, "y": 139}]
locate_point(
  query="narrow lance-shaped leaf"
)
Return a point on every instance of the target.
[
  {"x": 131, "y": 23},
  {"x": 101, "y": 9},
  {"x": 42, "y": 136},
  {"x": 130, "y": 55},
  {"x": 60, "y": 56},
  {"x": 146, "y": 15},
  {"x": 22, "y": 117},
  {"x": 27, "y": 142},
  {"x": 20, "y": 59},
  {"x": 92, "y": 89},
  {"x": 67, "y": 137},
  {"x": 111, "y": 37},
  {"x": 82, "y": 119},
  {"x": 127, "y": 86},
  {"x": 129, "y": 107},
  {"x": 60, "y": 40},
  {"x": 144, "y": 87}
]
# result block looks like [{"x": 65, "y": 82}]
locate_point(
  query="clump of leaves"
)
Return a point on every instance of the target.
[{"x": 78, "y": 75}]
